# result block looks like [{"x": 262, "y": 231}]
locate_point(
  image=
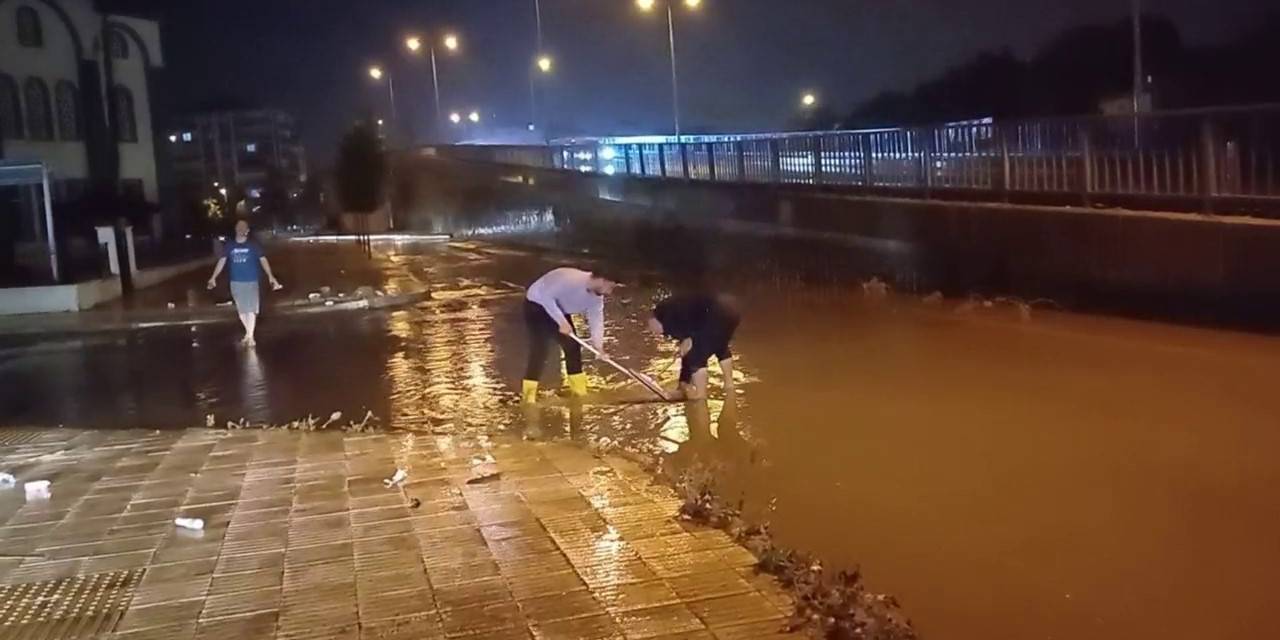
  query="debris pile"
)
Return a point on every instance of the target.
[
  {"x": 838, "y": 607},
  {"x": 368, "y": 424}
]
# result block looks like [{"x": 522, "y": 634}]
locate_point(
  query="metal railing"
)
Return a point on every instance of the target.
[{"x": 1215, "y": 159}]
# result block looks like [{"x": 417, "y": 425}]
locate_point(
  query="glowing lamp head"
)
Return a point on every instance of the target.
[
  {"x": 474, "y": 116},
  {"x": 809, "y": 100},
  {"x": 545, "y": 63},
  {"x": 413, "y": 43},
  {"x": 455, "y": 117},
  {"x": 693, "y": 4},
  {"x": 451, "y": 42},
  {"x": 375, "y": 73},
  {"x": 646, "y": 5}
]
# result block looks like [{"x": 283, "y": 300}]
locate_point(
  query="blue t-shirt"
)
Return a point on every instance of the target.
[{"x": 242, "y": 260}]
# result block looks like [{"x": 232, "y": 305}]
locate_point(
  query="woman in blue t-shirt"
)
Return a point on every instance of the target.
[{"x": 245, "y": 257}]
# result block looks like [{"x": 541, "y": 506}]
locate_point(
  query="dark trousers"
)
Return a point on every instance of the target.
[{"x": 543, "y": 331}]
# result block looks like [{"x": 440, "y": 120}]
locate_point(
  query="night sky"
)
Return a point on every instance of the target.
[{"x": 743, "y": 63}]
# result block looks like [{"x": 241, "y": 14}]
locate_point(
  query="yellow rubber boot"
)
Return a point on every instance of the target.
[
  {"x": 529, "y": 392},
  {"x": 578, "y": 384}
]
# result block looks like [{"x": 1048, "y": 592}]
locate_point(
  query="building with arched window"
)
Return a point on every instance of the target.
[{"x": 75, "y": 103}]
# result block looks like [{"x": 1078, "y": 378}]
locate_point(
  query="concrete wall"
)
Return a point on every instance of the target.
[
  {"x": 86, "y": 295},
  {"x": 1098, "y": 254}
]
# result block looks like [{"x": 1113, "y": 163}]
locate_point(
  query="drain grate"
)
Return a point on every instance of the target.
[
  {"x": 78, "y": 607},
  {"x": 14, "y": 437}
]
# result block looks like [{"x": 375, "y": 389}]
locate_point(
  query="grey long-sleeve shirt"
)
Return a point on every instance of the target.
[{"x": 564, "y": 292}]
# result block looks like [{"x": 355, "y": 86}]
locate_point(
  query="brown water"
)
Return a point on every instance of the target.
[{"x": 1066, "y": 476}]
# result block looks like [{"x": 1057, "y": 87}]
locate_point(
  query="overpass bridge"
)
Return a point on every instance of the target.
[{"x": 1210, "y": 160}]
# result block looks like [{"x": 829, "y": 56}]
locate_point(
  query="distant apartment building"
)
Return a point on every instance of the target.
[
  {"x": 245, "y": 150},
  {"x": 79, "y": 108}
]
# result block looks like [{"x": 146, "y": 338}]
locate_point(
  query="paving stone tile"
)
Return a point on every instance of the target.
[
  {"x": 600, "y": 627},
  {"x": 561, "y": 606},
  {"x": 735, "y": 610},
  {"x": 657, "y": 621},
  {"x": 246, "y": 627}
]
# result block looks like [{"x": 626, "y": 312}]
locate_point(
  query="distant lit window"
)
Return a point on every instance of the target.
[
  {"x": 187, "y": 137},
  {"x": 68, "y": 100},
  {"x": 30, "y": 31},
  {"x": 122, "y": 112},
  {"x": 39, "y": 114},
  {"x": 119, "y": 45},
  {"x": 252, "y": 147},
  {"x": 10, "y": 109}
]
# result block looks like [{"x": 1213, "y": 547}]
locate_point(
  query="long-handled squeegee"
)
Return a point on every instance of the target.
[{"x": 644, "y": 380}]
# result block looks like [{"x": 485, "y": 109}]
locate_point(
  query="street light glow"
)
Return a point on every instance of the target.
[
  {"x": 414, "y": 43},
  {"x": 451, "y": 42},
  {"x": 693, "y": 4},
  {"x": 645, "y": 5},
  {"x": 474, "y": 116},
  {"x": 375, "y": 73},
  {"x": 809, "y": 100},
  {"x": 455, "y": 117},
  {"x": 545, "y": 63}
]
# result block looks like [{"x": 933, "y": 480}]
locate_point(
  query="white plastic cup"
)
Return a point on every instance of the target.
[{"x": 194, "y": 524}]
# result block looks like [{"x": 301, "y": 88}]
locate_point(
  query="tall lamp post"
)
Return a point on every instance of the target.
[
  {"x": 414, "y": 45},
  {"x": 378, "y": 73},
  {"x": 543, "y": 62},
  {"x": 649, "y": 5}
]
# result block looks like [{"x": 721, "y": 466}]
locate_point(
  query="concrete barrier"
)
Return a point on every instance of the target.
[{"x": 86, "y": 295}]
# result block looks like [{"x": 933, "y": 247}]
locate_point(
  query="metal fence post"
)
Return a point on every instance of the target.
[
  {"x": 926, "y": 160},
  {"x": 711, "y": 161},
  {"x": 864, "y": 153},
  {"x": 739, "y": 149},
  {"x": 640, "y": 157},
  {"x": 684, "y": 160},
  {"x": 1005, "y": 169},
  {"x": 775, "y": 161},
  {"x": 662, "y": 159},
  {"x": 1209, "y": 155},
  {"x": 626, "y": 154},
  {"x": 1086, "y": 168},
  {"x": 817, "y": 159}
]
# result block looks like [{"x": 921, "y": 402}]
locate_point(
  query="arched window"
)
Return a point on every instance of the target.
[
  {"x": 30, "y": 32},
  {"x": 122, "y": 114},
  {"x": 68, "y": 98},
  {"x": 10, "y": 109},
  {"x": 119, "y": 45},
  {"x": 39, "y": 115}
]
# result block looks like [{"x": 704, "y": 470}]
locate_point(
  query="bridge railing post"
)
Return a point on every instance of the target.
[
  {"x": 711, "y": 161},
  {"x": 1006, "y": 174},
  {"x": 926, "y": 159},
  {"x": 662, "y": 159},
  {"x": 640, "y": 157},
  {"x": 1086, "y": 165},
  {"x": 817, "y": 159},
  {"x": 775, "y": 160},
  {"x": 740, "y": 151},
  {"x": 1209, "y": 160},
  {"x": 684, "y": 160}
]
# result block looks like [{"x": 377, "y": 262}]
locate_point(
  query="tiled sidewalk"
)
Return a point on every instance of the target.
[{"x": 302, "y": 540}]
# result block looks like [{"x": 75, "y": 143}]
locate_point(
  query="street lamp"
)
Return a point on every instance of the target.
[
  {"x": 648, "y": 5},
  {"x": 455, "y": 117},
  {"x": 545, "y": 64},
  {"x": 414, "y": 44},
  {"x": 809, "y": 100},
  {"x": 474, "y": 116},
  {"x": 377, "y": 73}
]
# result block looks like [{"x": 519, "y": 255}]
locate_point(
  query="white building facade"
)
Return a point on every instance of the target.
[{"x": 75, "y": 94}]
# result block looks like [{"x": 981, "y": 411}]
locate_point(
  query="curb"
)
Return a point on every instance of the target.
[{"x": 40, "y": 327}]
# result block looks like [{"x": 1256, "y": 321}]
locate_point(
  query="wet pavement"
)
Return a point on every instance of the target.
[
  {"x": 1005, "y": 472},
  {"x": 302, "y": 539}
]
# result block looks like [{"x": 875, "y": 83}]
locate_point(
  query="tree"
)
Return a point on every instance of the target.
[{"x": 360, "y": 171}]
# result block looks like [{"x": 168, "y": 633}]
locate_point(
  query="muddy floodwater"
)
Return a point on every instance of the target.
[{"x": 1055, "y": 475}]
